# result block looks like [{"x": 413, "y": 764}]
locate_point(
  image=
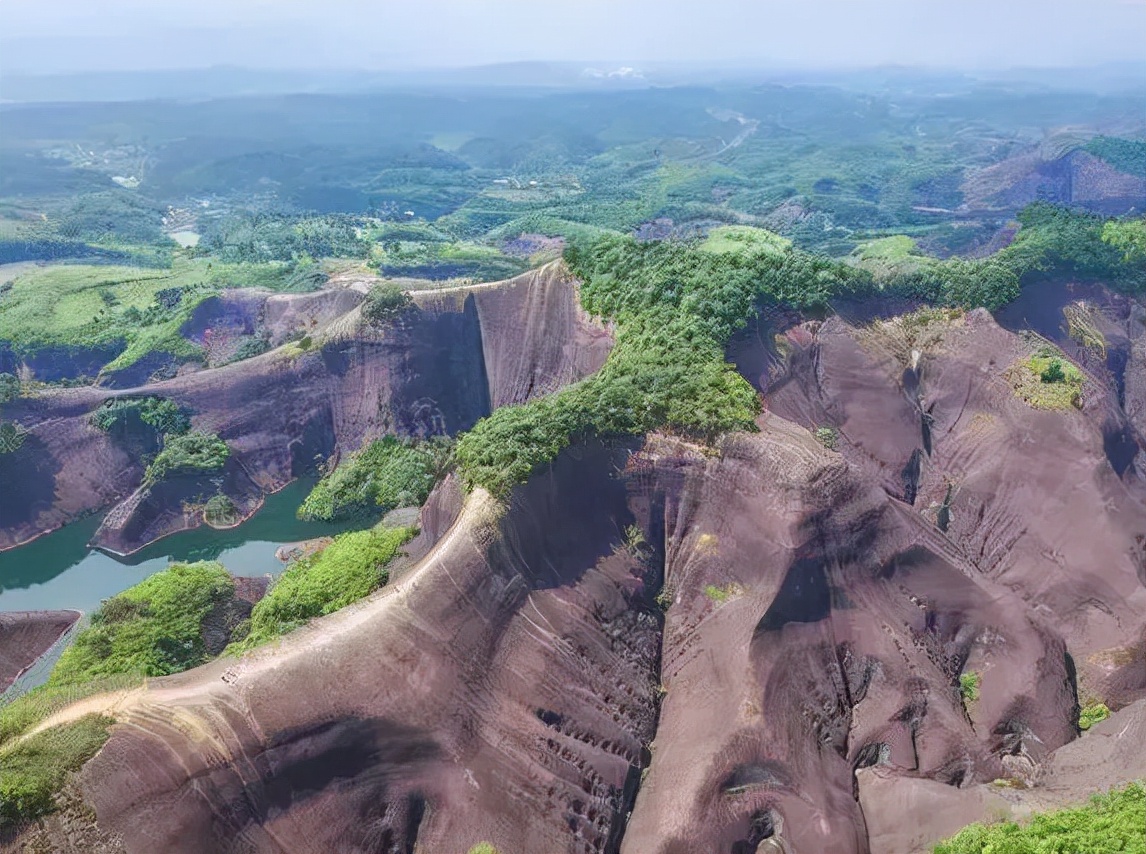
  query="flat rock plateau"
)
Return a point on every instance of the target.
[{"x": 772, "y": 665}]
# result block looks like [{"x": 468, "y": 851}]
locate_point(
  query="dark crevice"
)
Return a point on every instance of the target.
[
  {"x": 654, "y": 579},
  {"x": 415, "y": 812},
  {"x": 911, "y": 476}
]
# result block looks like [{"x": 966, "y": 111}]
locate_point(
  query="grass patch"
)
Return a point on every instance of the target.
[
  {"x": 1111, "y": 822},
  {"x": 82, "y": 306},
  {"x": 733, "y": 239},
  {"x": 1047, "y": 380},
  {"x": 720, "y": 595},
  {"x": 151, "y": 629},
  {"x": 482, "y": 848},
  {"x": 887, "y": 256},
  {"x": 34, "y": 770},
  {"x": 135, "y": 310},
  {"x": 386, "y": 473},
  {"x": 351, "y": 567},
  {"x": 1082, "y": 327}
]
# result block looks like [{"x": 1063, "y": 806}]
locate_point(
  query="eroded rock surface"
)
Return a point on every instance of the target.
[{"x": 25, "y": 636}]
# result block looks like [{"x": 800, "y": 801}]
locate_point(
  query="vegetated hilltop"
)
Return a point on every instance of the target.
[{"x": 862, "y": 588}]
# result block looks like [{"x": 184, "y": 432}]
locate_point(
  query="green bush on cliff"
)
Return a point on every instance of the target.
[
  {"x": 33, "y": 770},
  {"x": 1126, "y": 155},
  {"x": 348, "y": 569},
  {"x": 12, "y": 436},
  {"x": 675, "y": 307},
  {"x": 385, "y": 303},
  {"x": 190, "y": 453},
  {"x": 1092, "y": 714},
  {"x": 386, "y": 473},
  {"x": 9, "y": 387},
  {"x": 1112, "y": 822},
  {"x": 152, "y": 629},
  {"x": 127, "y": 416},
  {"x": 1128, "y": 236}
]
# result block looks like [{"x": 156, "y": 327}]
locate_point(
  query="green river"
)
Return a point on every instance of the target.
[{"x": 58, "y": 570}]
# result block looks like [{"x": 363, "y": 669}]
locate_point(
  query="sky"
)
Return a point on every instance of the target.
[{"x": 49, "y": 36}]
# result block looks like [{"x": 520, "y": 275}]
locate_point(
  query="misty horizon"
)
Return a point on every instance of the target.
[{"x": 66, "y": 36}]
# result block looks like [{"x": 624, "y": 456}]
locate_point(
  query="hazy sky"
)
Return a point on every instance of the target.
[{"x": 71, "y": 35}]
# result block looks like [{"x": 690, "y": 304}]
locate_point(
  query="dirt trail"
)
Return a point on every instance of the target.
[{"x": 114, "y": 704}]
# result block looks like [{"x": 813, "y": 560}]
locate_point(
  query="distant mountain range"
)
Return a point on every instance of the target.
[{"x": 230, "y": 81}]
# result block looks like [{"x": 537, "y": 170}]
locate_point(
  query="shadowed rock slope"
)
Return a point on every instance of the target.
[{"x": 652, "y": 648}]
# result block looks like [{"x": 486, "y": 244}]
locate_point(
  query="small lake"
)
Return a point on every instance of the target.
[{"x": 58, "y": 570}]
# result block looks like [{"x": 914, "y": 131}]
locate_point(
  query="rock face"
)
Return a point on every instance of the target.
[
  {"x": 25, "y": 636},
  {"x": 655, "y": 649},
  {"x": 437, "y": 371},
  {"x": 1075, "y": 178}
]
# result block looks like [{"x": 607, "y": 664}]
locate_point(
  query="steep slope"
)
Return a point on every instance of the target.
[
  {"x": 1073, "y": 178},
  {"x": 439, "y": 710}
]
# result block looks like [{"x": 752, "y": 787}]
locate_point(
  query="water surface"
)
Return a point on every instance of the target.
[{"x": 58, "y": 570}]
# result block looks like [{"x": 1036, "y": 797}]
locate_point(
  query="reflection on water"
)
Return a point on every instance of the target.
[{"x": 59, "y": 571}]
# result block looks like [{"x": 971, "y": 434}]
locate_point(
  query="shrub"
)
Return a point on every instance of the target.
[
  {"x": 220, "y": 511},
  {"x": 255, "y": 345},
  {"x": 1092, "y": 714},
  {"x": 675, "y": 308},
  {"x": 1110, "y": 822},
  {"x": 345, "y": 571},
  {"x": 385, "y": 303},
  {"x": 190, "y": 453},
  {"x": 387, "y": 473},
  {"x": 483, "y": 848},
  {"x": 12, "y": 437},
  {"x": 1129, "y": 237},
  {"x": 126, "y": 416},
  {"x": 829, "y": 437},
  {"x": 969, "y": 685},
  {"x": 33, "y": 770},
  {"x": 1053, "y": 372},
  {"x": 151, "y": 629},
  {"x": 969, "y": 284},
  {"x": 9, "y": 387}
]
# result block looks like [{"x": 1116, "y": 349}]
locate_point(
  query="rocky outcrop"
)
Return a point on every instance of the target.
[
  {"x": 1046, "y": 174},
  {"x": 287, "y": 410}
]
